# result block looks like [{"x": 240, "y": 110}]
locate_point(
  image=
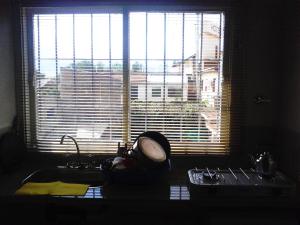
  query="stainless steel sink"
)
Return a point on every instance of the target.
[{"x": 93, "y": 177}]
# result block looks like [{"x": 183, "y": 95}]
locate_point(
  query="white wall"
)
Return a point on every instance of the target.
[{"x": 7, "y": 82}]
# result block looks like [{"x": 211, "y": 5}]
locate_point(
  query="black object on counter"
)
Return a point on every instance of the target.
[
  {"x": 147, "y": 162},
  {"x": 155, "y": 140}
]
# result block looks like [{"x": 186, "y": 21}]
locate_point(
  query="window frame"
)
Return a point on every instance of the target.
[{"x": 229, "y": 42}]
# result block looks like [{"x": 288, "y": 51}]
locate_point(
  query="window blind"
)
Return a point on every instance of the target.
[
  {"x": 76, "y": 80},
  {"x": 171, "y": 55}
]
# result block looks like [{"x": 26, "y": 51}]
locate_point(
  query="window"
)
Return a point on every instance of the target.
[
  {"x": 156, "y": 92},
  {"x": 83, "y": 81},
  {"x": 174, "y": 92},
  {"x": 213, "y": 85},
  {"x": 134, "y": 92}
]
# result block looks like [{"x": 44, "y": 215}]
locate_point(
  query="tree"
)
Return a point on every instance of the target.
[
  {"x": 117, "y": 67},
  {"x": 83, "y": 65},
  {"x": 100, "y": 67},
  {"x": 137, "y": 67}
]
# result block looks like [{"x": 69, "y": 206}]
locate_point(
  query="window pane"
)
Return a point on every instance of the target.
[
  {"x": 47, "y": 36},
  {"x": 177, "y": 92},
  {"x": 156, "y": 66},
  {"x": 76, "y": 93},
  {"x": 82, "y": 26},
  {"x": 101, "y": 36},
  {"x": 116, "y": 36},
  {"x": 155, "y": 35},
  {"x": 47, "y": 68},
  {"x": 192, "y": 32},
  {"x": 174, "y": 31},
  {"x": 65, "y": 36},
  {"x": 211, "y": 25},
  {"x": 137, "y": 36}
]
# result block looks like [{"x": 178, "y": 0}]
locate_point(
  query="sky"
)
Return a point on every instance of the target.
[{"x": 104, "y": 34}]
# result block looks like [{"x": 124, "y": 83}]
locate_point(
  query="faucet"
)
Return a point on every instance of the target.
[{"x": 77, "y": 148}]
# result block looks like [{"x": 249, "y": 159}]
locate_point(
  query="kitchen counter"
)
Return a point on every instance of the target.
[{"x": 169, "y": 199}]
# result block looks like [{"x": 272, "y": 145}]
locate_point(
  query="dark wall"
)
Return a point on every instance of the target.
[
  {"x": 7, "y": 85},
  {"x": 262, "y": 66},
  {"x": 290, "y": 89}
]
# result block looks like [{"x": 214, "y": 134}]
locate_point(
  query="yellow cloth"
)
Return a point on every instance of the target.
[{"x": 52, "y": 188}]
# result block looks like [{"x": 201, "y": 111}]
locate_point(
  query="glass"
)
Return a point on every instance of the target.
[
  {"x": 82, "y": 32},
  {"x": 116, "y": 29},
  {"x": 101, "y": 36},
  {"x": 65, "y": 36},
  {"x": 155, "y": 36},
  {"x": 137, "y": 38},
  {"x": 192, "y": 30},
  {"x": 47, "y": 69},
  {"x": 47, "y": 36},
  {"x": 174, "y": 35}
]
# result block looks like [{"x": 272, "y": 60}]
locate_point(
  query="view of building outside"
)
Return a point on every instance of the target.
[
  {"x": 175, "y": 75},
  {"x": 177, "y": 87}
]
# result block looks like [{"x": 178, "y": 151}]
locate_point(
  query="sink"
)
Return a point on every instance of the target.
[{"x": 93, "y": 177}]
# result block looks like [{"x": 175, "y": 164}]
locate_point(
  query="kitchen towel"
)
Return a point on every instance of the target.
[{"x": 52, "y": 188}]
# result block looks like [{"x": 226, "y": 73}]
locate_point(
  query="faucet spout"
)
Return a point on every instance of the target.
[{"x": 77, "y": 148}]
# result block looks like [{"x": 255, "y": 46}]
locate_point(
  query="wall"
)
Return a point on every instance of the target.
[
  {"x": 290, "y": 153},
  {"x": 7, "y": 83},
  {"x": 262, "y": 65}
]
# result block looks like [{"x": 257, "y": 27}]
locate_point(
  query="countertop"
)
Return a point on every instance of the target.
[{"x": 172, "y": 195}]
